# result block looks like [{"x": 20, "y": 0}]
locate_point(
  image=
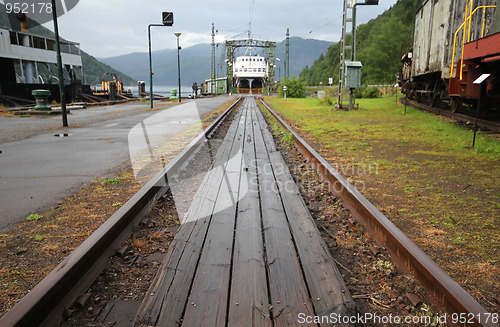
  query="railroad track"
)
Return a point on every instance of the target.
[
  {"x": 468, "y": 120},
  {"x": 45, "y": 304}
]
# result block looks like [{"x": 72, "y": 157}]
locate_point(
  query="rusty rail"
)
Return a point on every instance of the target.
[
  {"x": 445, "y": 291},
  {"x": 45, "y": 304}
]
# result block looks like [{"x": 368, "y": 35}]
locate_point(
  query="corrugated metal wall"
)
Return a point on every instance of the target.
[{"x": 435, "y": 26}]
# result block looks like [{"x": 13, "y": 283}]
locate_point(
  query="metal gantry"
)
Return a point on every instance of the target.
[
  {"x": 344, "y": 48},
  {"x": 231, "y": 45},
  {"x": 349, "y": 17}
]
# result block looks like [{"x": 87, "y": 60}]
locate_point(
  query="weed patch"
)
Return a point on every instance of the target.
[{"x": 34, "y": 217}]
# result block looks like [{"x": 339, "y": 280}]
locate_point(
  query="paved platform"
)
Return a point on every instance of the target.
[
  {"x": 37, "y": 169},
  {"x": 248, "y": 252}
]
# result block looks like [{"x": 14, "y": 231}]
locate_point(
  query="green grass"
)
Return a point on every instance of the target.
[
  {"x": 424, "y": 161},
  {"x": 382, "y": 119},
  {"x": 285, "y": 136}
]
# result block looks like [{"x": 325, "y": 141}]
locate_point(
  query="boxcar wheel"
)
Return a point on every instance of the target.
[{"x": 456, "y": 104}]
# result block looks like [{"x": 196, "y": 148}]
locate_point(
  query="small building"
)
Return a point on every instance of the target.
[{"x": 220, "y": 86}]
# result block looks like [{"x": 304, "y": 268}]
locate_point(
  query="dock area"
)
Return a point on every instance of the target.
[{"x": 248, "y": 252}]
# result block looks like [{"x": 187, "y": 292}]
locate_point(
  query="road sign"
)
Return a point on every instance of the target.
[
  {"x": 168, "y": 18},
  {"x": 285, "y": 88}
]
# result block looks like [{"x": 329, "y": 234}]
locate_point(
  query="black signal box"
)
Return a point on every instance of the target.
[{"x": 168, "y": 18}]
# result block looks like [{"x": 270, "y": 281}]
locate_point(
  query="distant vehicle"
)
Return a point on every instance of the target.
[
  {"x": 455, "y": 42},
  {"x": 115, "y": 85}
]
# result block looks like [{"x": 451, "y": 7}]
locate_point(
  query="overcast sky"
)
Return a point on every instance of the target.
[{"x": 107, "y": 28}]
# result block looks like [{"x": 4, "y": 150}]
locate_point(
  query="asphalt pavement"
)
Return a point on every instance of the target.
[{"x": 41, "y": 162}]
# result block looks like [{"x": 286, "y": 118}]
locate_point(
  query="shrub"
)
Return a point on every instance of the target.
[
  {"x": 326, "y": 101},
  {"x": 372, "y": 92},
  {"x": 296, "y": 88}
]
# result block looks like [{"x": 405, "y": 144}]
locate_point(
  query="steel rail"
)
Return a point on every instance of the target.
[
  {"x": 446, "y": 292},
  {"x": 46, "y": 302},
  {"x": 481, "y": 123}
]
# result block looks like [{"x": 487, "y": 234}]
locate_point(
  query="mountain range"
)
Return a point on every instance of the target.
[
  {"x": 196, "y": 66},
  {"x": 195, "y": 60}
]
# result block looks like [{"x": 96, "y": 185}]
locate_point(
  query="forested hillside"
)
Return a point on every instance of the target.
[{"x": 380, "y": 44}]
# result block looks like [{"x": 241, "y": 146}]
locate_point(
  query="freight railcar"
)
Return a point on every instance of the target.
[{"x": 455, "y": 42}]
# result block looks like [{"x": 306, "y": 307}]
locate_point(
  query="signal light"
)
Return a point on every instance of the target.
[{"x": 168, "y": 18}]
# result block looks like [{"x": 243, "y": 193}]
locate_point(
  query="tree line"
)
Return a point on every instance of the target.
[{"x": 380, "y": 45}]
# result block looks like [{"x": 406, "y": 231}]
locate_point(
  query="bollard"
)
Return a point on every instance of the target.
[
  {"x": 142, "y": 88},
  {"x": 112, "y": 91},
  {"x": 42, "y": 99},
  {"x": 173, "y": 94}
]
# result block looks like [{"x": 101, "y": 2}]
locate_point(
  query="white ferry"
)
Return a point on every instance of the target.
[
  {"x": 28, "y": 61},
  {"x": 250, "y": 74}
]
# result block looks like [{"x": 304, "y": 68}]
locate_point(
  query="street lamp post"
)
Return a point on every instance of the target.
[
  {"x": 228, "y": 71},
  {"x": 279, "y": 70},
  {"x": 178, "y": 64}
]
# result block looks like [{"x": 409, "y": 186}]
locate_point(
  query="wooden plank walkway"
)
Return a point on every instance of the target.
[{"x": 248, "y": 252}]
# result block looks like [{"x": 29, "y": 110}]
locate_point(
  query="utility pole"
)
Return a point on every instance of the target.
[
  {"x": 213, "y": 87},
  {"x": 59, "y": 67},
  {"x": 287, "y": 55},
  {"x": 348, "y": 4},
  {"x": 343, "y": 48}
]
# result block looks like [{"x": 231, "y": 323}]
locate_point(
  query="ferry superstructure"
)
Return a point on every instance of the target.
[
  {"x": 250, "y": 74},
  {"x": 28, "y": 61}
]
